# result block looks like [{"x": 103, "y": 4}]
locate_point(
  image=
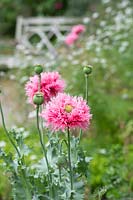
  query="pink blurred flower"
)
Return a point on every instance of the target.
[
  {"x": 65, "y": 111},
  {"x": 77, "y": 29},
  {"x": 58, "y": 5},
  {"x": 71, "y": 38},
  {"x": 51, "y": 84}
]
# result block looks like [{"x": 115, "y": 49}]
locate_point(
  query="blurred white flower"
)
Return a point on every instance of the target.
[
  {"x": 102, "y": 23},
  {"x": 64, "y": 64},
  {"x": 99, "y": 31},
  {"x": 85, "y": 62},
  {"x": 102, "y": 151},
  {"x": 119, "y": 17},
  {"x": 47, "y": 64},
  {"x": 23, "y": 79},
  {"x": 33, "y": 157},
  {"x": 108, "y": 10},
  {"x": 125, "y": 43},
  {"x": 98, "y": 49},
  {"x": 95, "y": 15},
  {"x": 12, "y": 77},
  {"x": 75, "y": 62},
  {"x": 78, "y": 52},
  {"x": 108, "y": 33},
  {"x": 117, "y": 37},
  {"x": 2, "y": 144},
  {"x": 32, "y": 114},
  {"x": 96, "y": 60},
  {"x": 29, "y": 57},
  {"x": 128, "y": 11},
  {"x": 123, "y": 4},
  {"x": 26, "y": 134},
  {"x": 122, "y": 49},
  {"x": 105, "y": 1},
  {"x": 86, "y": 20},
  {"x": 123, "y": 46},
  {"x": 103, "y": 61},
  {"x": 2, "y": 73},
  {"x": 106, "y": 40},
  {"x": 124, "y": 96},
  {"x": 70, "y": 57}
]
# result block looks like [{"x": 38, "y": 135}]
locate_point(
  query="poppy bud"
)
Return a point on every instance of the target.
[
  {"x": 61, "y": 160},
  {"x": 87, "y": 69},
  {"x": 38, "y": 69}
]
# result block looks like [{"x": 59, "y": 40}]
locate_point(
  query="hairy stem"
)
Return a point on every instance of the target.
[
  {"x": 80, "y": 135},
  {"x": 39, "y": 84},
  {"x": 45, "y": 153},
  {"x": 86, "y": 97},
  {"x": 26, "y": 185},
  {"x": 86, "y": 88},
  {"x": 60, "y": 173},
  {"x": 41, "y": 139},
  {"x": 69, "y": 162},
  {"x": 7, "y": 133}
]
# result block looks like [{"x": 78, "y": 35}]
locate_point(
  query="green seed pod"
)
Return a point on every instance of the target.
[
  {"x": 38, "y": 69},
  {"x": 87, "y": 69},
  {"x": 38, "y": 98}
]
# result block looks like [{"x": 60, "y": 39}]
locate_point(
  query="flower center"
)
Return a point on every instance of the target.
[{"x": 68, "y": 108}]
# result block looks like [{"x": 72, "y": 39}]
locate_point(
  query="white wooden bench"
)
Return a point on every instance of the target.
[{"x": 45, "y": 28}]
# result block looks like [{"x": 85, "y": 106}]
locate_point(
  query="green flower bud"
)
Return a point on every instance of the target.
[
  {"x": 61, "y": 160},
  {"x": 38, "y": 69},
  {"x": 87, "y": 69},
  {"x": 38, "y": 98}
]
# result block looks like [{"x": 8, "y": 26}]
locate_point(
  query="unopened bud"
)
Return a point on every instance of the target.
[
  {"x": 38, "y": 69},
  {"x": 61, "y": 160},
  {"x": 87, "y": 69}
]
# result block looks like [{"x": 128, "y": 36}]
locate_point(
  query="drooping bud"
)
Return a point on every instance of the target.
[
  {"x": 38, "y": 98},
  {"x": 68, "y": 108},
  {"x": 87, "y": 69},
  {"x": 38, "y": 69},
  {"x": 61, "y": 160}
]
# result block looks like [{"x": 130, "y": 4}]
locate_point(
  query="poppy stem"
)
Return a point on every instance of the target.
[
  {"x": 70, "y": 163},
  {"x": 45, "y": 154},
  {"x": 24, "y": 179},
  {"x": 86, "y": 87}
]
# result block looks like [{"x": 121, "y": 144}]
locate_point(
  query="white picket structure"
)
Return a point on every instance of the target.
[{"x": 45, "y": 28}]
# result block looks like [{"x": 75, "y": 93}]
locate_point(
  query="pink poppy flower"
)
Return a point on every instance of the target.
[
  {"x": 51, "y": 84},
  {"x": 65, "y": 111},
  {"x": 78, "y": 29},
  {"x": 71, "y": 38}
]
